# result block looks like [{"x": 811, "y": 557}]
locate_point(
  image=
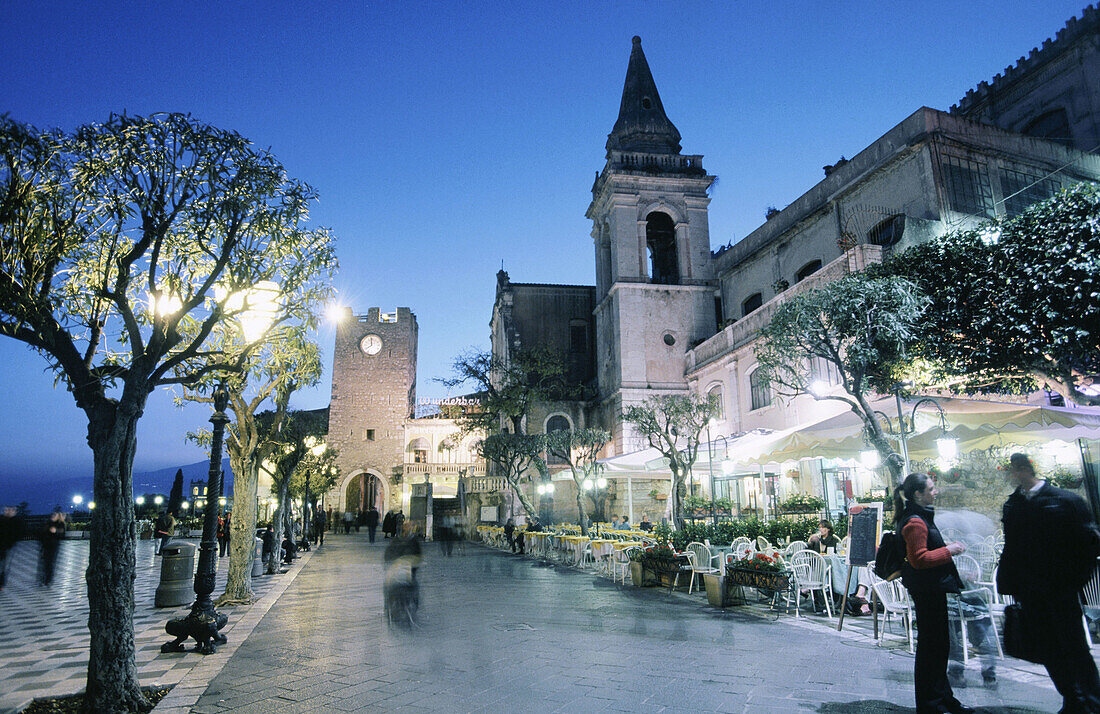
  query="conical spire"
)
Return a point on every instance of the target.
[{"x": 642, "y": 124}]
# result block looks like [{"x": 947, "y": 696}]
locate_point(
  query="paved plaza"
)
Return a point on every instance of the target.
[{"x": 499, "y": 633}]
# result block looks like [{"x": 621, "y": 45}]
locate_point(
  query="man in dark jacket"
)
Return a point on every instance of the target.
[
  {"x": 1051, "y": 546},
  {"x": 267, "y": 550},
  {"x": 372, "y": 522},
  {"x": 387, "y": 525}
]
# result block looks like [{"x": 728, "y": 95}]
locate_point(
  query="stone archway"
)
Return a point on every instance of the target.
[{"x": 358, "y": 488}]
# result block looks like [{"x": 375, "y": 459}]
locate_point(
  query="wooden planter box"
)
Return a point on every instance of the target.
[
  {"x": 762, "y": 580},
  {"x": 665, "y": 570}
]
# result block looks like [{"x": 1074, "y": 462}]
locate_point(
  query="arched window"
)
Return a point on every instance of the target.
[
  {"x": 660, "y": 238},
  {"x": 715, "y": 393},
  {"x": 752, "y": 302},
  {"x": 807, "y": 270},
  {"x": 1053, "y": 125},
  {"x": 557, "y": 422},
  {"x": 888, "y": 232},
  {"x": 419, "y": 449},
  {"x": 760, "y": 390}
]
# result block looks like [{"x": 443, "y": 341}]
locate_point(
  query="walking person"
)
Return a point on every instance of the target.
[
  {"x": 387, "y": 525},
  {"x": 1051, "y": 546},
  {"x": 49, "y": 541},
  {"x": 166, "y": 526},
  {"x": 11, "y": 530},
  {"x": 398, "y": 523},
  {"x": 223, "y": 534},
  {"x": 348, "y": 518},
  {"x": 928, "y": 573},
  {"x": 319, "y": 524},
  {"x": 372, "y": 522}
]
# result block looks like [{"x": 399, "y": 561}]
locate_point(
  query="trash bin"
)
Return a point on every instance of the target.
[
  {"x": 257, "y": 559},
  {"x": 177, "y": 575}
]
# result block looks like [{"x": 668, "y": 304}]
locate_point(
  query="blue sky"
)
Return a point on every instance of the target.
[{"x": 447, "y": 137}]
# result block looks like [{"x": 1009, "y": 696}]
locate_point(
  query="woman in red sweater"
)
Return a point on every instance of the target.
[{"x": 928, "y": 574}]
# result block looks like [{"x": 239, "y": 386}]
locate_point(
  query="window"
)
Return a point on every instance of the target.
[
  {"x": 968, "y": 186},
  {"x": 715, "y": 393},
  {"x": 761, "y": 391},
  {"x": 419, "y": 449},
  {"x": 578, "y": 336},
  {"x": 370, "y": 435},
  {"x": 1022, "y": 188},
  {"x": 888, "y": 232},
  {"x": 824, "y": 370},
  {"x": 1053, "y": 125},
  {"x": 660, "y": 238},
  {"x": 556, "y": 423},
  {"x": 807, "y": 270},
  {"x": 752, "y": 302}
]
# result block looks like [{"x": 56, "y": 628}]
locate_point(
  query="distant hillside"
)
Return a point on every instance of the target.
[{"x": 43, "y": 497}]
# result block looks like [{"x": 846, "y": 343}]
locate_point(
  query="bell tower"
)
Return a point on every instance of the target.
[{"x": 654, "y": 283}]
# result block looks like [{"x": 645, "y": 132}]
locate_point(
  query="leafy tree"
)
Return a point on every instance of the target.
[
  {"x": 860, "y": 325},
  {"x": 579, "y": 449},
  {"x": 1015, "y": 302},
  {"x": 113, "y": 240},
  {"x": 295, "y": 437},
  {"x": 514, "y": 455},
  {"x": 272, "y": 373},
  {"x": 508, "y": 388},
  {"x": 673, "y": 424}
]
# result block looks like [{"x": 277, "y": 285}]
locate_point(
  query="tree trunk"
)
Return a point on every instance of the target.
[
  {"x": 676, "y": 503},
  {"x": 523, "y": 499},
  {"x": 112, "y": 684},
  {"x": 277, "y": 522},
  {"x": 242, "y": 537},
  {"x": 875, "y": 435},
  {"x": 580, "y": 511}
]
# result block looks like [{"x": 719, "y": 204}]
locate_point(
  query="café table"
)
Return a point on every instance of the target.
[
  {"x": 576, "y": 544},
  {"x": 601, "y": 552}
]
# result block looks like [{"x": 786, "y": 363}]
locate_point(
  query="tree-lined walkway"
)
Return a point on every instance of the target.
[{"x": 502, "y": 633}]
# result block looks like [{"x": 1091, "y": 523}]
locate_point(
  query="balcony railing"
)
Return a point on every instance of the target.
[
  {"x": 438, "y": 469},
  {"x": 487, "y": 484}
]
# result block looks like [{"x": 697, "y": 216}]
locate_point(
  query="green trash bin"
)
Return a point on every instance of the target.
[{"x": 177, "y": 575}]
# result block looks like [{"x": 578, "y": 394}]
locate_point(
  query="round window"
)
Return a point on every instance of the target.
[{"x": 669, "y": 339}]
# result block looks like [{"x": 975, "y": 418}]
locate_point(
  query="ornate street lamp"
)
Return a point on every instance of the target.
[{"x": 204, "y": 622}]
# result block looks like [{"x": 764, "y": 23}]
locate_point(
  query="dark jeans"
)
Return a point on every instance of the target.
[
  {"x": 933, "y": 691},
  {"x": 46, "y": 561},
  {"x": 370, "y": 532},
  {"x": 223, "y": 547},
  {"x": 1068, "y": 660}
]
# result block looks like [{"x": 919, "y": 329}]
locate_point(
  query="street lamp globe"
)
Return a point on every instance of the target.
[
  {"x": 221, "y": 501},
  {"x": 185, "y": 505},
  {"x": 78, "y": 499},
  {"x": 601, "y": 482},
  {"x": 158, "y": 500},
  {"x": 140, "y": 500},
  {"x": 91, "y": 505}
]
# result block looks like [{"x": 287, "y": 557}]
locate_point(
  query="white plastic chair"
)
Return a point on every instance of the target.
[
  {"x": 795, "y": 546},
  {"x": 699, "y": 556},
  {"x": 817, "y": 577},
  {"x": 743, "y": 550},
  {"x": 895, "y": 601},
  {"x": 762, "y": 544},
  {"x": 620, "y": 562}
]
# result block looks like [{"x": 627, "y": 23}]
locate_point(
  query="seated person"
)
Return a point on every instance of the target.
[
  {"x": 622, "y": 525},
  {"x": 824, "y": 539},
  {"x": 533, "y": 525},
  {"x": 645, "y": 525}
]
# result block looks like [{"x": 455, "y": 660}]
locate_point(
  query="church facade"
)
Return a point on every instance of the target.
[{"x": 672, "y": 317}]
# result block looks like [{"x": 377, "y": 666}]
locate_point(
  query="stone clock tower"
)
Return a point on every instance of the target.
[
  {"x": 373, "y": 393},
  {"x": 655, "y": 294}
]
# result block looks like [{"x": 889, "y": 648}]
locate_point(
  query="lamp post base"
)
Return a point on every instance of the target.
[{"x": 203, "y": 624}]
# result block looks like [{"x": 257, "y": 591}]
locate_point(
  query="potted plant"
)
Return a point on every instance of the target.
[
  {"x": 661, "y": 559},
  {"x": 637, "y": 568},
  {"x": 759, "y": 571}
]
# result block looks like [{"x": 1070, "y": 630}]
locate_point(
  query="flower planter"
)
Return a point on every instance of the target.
[
  {"x": 637, "y": 573},
  {"x": 666, "y": 570},
  {"x": 719, "y": 592},
  {"x": 760, "y": 579}
]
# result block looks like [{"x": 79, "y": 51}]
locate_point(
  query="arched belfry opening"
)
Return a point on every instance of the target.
[{"x": 660, "y": 239}]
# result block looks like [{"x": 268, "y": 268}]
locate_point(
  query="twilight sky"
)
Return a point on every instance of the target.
[{"x": 447, "y": 137}]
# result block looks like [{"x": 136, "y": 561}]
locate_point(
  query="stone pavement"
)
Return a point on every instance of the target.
[
  {"x": 503, "y": 633},
  {"x": 44, "y": 630}
]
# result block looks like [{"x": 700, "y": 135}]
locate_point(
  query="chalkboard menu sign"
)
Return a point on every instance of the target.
[{"x": 864, "y": 528}]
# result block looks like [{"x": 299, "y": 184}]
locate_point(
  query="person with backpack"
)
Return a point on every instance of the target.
[{"x": 928, "y": 573}]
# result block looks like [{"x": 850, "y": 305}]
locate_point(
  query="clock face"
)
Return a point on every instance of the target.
[{"x": 370, "y": 344}]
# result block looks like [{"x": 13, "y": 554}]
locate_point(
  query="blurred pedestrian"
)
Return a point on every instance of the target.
[
  {"x": 348, "y": 518},
  {"x": 398, "y": 523},
  {"x": 223, "y": 534},
  {"x": 1051, "y": 546},
  {"x": 372, "y": 522},
  {"x": 166, "y": 526},
  {"x": 11, "y": 530},
  {"x": 267, "y": 550},
  {"x": 319, "y": 527},
  {"x": 510, "y": 533},
  {"x": 49, "y": 541},
  {"x": 358, "y": 519},
  {"x": 387, "y": 525},
  {"x": 446, "y": 535}
]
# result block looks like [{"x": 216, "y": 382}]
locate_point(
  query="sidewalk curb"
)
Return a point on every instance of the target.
[{"x": 185, "y": 694}]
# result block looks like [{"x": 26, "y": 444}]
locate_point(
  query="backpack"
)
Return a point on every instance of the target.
[{"x": 890, "y": 556}]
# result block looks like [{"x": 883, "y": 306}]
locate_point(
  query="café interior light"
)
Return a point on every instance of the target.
[{"x": 870, "y": 458}]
